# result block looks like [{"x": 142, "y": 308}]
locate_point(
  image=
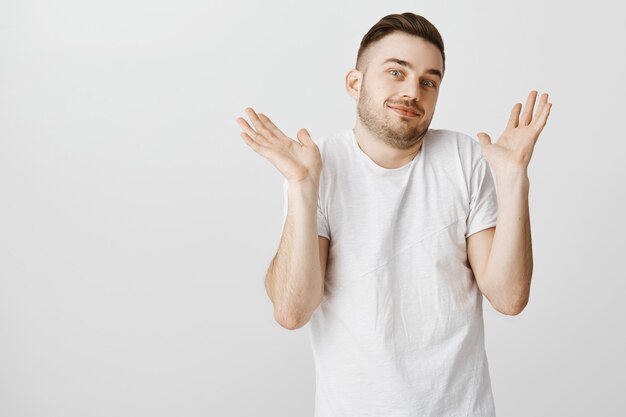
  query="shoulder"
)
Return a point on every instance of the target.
[
  {"x": 454, "y": 138},
  {"x": 458, "y": 144},
  {"x": 334, "y": 146},
  {"x": 331, "y": 140},
  {"x": 337, "y": 156}
]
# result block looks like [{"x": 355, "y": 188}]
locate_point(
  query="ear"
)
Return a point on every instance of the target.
[{"x": 353, "y": 83}]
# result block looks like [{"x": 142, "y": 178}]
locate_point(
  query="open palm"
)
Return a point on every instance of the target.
[
  {"x": 515, "y": 146},
  {"x": 297, "y": 161}
]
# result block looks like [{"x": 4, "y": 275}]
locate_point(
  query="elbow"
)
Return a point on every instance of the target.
[
  {"x": 293, "y": 316},
  {"x": 292, "y": 319},
  {"x": 292, "y": 325},
  {"x": 511, "y": 311},
  {"x": 514, "y": 308},
  {"x": 291, "y": 322},
  {"x": 511, "y": 301}
]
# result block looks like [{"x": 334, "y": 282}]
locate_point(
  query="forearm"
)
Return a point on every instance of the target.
[
  {"x": 510, "y": 264},
  {"x": 294, "y": 280}
]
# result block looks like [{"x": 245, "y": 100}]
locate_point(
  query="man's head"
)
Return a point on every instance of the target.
[{"x": 400, "y": 63}]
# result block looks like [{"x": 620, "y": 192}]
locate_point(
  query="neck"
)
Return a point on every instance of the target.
[{"x": 382, "y": 153}]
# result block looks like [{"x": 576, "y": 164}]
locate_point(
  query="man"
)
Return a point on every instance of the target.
[{"x": 389, "y": 245}]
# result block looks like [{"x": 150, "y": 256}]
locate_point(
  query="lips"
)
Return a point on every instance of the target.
[{"x": 404, "y": 111}]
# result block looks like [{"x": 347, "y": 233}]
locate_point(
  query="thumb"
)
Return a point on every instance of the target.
[
  {"x": 304, "y": 137},
  {"x": 484, "y": 138}
]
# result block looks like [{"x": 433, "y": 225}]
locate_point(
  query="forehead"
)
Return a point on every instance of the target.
[{"x": 412, "y": 49}]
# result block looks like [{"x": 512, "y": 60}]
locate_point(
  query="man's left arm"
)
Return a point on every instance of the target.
[{"x": 501, "y": 257}]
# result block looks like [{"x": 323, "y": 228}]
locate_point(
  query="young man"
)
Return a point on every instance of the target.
[{"x": 389, "y": 246}]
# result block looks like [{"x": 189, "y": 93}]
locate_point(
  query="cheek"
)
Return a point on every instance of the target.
[{"x": 383, "y": 93}]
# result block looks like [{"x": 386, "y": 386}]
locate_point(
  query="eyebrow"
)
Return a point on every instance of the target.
[{"x": 406, "y": 64}]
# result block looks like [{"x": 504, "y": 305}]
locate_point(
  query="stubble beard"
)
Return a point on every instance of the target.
[{"x": 398, "y": 134}]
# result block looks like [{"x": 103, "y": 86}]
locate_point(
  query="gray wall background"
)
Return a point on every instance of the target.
[{"x": 136, "y": 225}]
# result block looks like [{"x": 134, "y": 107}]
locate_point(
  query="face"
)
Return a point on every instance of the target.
[{"x": 397, "y": 93}]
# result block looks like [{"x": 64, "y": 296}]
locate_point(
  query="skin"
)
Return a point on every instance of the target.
[
  {"x": 501, "y": 256},
  {"x": 391, "y": 139},
  {"x": 299, "y": 162}
]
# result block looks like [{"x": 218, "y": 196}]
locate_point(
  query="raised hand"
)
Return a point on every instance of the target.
[
  {"x": 515, "y": 146},
  {"x": 297, "y": 161}
]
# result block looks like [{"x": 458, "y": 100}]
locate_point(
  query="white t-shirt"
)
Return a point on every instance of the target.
[{"x": 400, "y": 329}]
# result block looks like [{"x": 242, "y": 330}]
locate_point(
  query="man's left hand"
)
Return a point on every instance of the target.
[{"x": 514, "y": 148}]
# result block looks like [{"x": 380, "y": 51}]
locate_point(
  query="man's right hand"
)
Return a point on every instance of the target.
[{"x": 297, "y": 161}]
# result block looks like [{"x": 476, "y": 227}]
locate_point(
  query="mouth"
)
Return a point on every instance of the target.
[{"x": 404, "y": 111}]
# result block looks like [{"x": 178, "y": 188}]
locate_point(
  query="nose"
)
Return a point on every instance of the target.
[{"x": 411, "y": 91}]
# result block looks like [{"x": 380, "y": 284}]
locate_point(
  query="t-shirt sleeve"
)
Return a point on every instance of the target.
[
  {"x": 322, "y": 222},
  {"x": 483, "y": 199}
]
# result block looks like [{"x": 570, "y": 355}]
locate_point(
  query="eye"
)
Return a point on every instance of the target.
[
  {"x": 395, "y": 71},
  {"x": 432, "y": 84}
]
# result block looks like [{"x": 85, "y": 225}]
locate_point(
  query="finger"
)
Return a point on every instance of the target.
[
  {"x": 527, "y": 115},
  {"x": 245, "y": 126},
  {"x": 252, "y": 134},
  {"x": 483, "y": 138},
  {"x": 540, "y": 123},
  {"x": 259, "y": 125},
  {"x": 278, "y": 134},
  {"x": 250, "y": 141},
  {"x": 304, "y": 137},
  {"x": 542, "y": 102},
  {"x": 514, "y": 118}
]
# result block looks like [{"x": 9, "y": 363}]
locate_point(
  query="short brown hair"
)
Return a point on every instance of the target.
[{"x": 406, "y": 22}]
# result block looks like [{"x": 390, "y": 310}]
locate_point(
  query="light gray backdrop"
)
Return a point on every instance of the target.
[{"x": 136, "y": 225}]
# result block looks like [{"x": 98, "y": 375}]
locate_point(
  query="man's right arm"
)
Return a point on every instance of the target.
[
  {"x": 294, "y": 281},
  {"x": 295, "y": 277}
]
